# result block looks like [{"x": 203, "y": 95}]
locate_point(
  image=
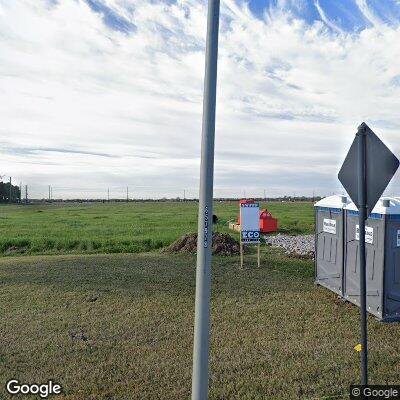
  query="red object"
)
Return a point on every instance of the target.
[
  {"x": 244, "y": 201},
  {"x": 267, "y": 222}
]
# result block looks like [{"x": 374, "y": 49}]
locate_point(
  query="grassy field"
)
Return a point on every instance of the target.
[
  {"x": 121, "y": 227},
  {"x": 121, "y": 327}
]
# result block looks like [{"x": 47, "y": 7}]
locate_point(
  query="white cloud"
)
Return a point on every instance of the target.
[
  {"x": 368, "y": 13},
  {"x": 325, "y": 19},
  {"x": 290, "y": 97}
]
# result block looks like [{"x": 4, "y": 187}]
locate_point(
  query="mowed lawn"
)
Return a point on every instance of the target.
[
  {"x": 121, "y": 327},
  {"x": 122, "y": 227}
]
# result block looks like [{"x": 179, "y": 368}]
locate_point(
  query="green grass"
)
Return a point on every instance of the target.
[
  {"x": 274, "y": 334},
  {"x": 121, "y": 228}
]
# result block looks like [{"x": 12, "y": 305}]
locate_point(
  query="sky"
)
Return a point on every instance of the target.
[{"x": 98, "y": 94}]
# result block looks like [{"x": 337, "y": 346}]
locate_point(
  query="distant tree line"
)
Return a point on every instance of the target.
[{"x": 5, "y": 193}]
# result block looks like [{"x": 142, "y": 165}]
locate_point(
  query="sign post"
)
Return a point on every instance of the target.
[
  {"x": 367, "y": 170},
  {"x": 249, "y": 228},
  {"x": 362, "y": 216},
  {"x": 204, "y": 240}
]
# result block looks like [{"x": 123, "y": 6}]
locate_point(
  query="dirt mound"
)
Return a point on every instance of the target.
[
  {"x": 222, "y": 245},
  {"x": 16, "y": 250}
]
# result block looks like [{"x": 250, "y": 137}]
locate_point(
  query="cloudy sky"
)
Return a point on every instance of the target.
[{"x": 108, "y": 93}]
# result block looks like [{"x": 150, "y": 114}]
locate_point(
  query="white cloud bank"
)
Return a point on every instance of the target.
[{"x": 84, "y": 106}]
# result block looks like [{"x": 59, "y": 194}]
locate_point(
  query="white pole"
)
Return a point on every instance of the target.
[{"x": 204, "y": 241}]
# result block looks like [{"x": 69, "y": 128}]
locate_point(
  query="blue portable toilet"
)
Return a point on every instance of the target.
[
  {"x": 329, "y": 242},
  {"x": 382, "y": 238}
]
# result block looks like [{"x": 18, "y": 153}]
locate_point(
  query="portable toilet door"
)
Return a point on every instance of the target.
[
  {"x": 329, "y": 242},
  {"x": 382, "y": 246},
  {"x": 391, "y": 300}
]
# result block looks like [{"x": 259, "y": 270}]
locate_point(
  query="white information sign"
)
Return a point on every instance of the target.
[
  {"x": 329, "y": 226},
  {"x": 369, "y": 234},
  {"x": 250, "y": 222}
]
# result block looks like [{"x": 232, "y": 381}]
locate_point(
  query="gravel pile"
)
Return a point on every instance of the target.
[{"x": 302, "y": 245}]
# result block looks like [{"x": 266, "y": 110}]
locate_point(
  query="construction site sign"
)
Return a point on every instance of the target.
[{"x": 250, "y": 222}]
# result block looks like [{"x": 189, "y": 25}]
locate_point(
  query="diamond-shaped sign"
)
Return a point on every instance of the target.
[{"x": 380, "y": 166}]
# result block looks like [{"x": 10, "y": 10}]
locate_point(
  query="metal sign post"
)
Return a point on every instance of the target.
[
  {"x": 367, "y": 170},
  {"x": 204, "y": 240},
  {"x": 363, "y": 271}
]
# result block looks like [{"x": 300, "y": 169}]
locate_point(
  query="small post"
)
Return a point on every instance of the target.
[
  {"x": 362, "y": 207},
  {"x": 241, "y": 251},
  {"x": 258, "y": 255},
  {"x": 9, "y": 200}
]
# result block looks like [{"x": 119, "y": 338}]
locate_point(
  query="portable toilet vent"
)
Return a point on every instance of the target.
[
  {"x": 382, "y": 238},
  {"x": 329, "y": 242}
]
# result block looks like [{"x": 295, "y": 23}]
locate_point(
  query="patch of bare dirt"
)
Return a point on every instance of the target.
[{"x": 16, "y": 250}]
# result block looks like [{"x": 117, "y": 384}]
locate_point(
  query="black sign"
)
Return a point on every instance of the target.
[{"x": 380, "y": 166}]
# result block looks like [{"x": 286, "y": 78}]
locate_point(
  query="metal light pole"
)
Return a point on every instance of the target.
[
  {"x": 204, "y": 241},
  {"x": 362, "y": 207}
]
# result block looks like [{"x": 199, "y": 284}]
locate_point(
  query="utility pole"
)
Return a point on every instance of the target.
[
  {"x": 204, "y": 237},
  {"x": 10, "y": 191},
  {"x": 184, "y": 195},
  {"x": 49, "y": 194},
  {"x": 108, "y": 194},
  {"x": 26, "y": 194},
  {"x": 127, "y": 194},
  {"x": 265, "y": 197}
]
